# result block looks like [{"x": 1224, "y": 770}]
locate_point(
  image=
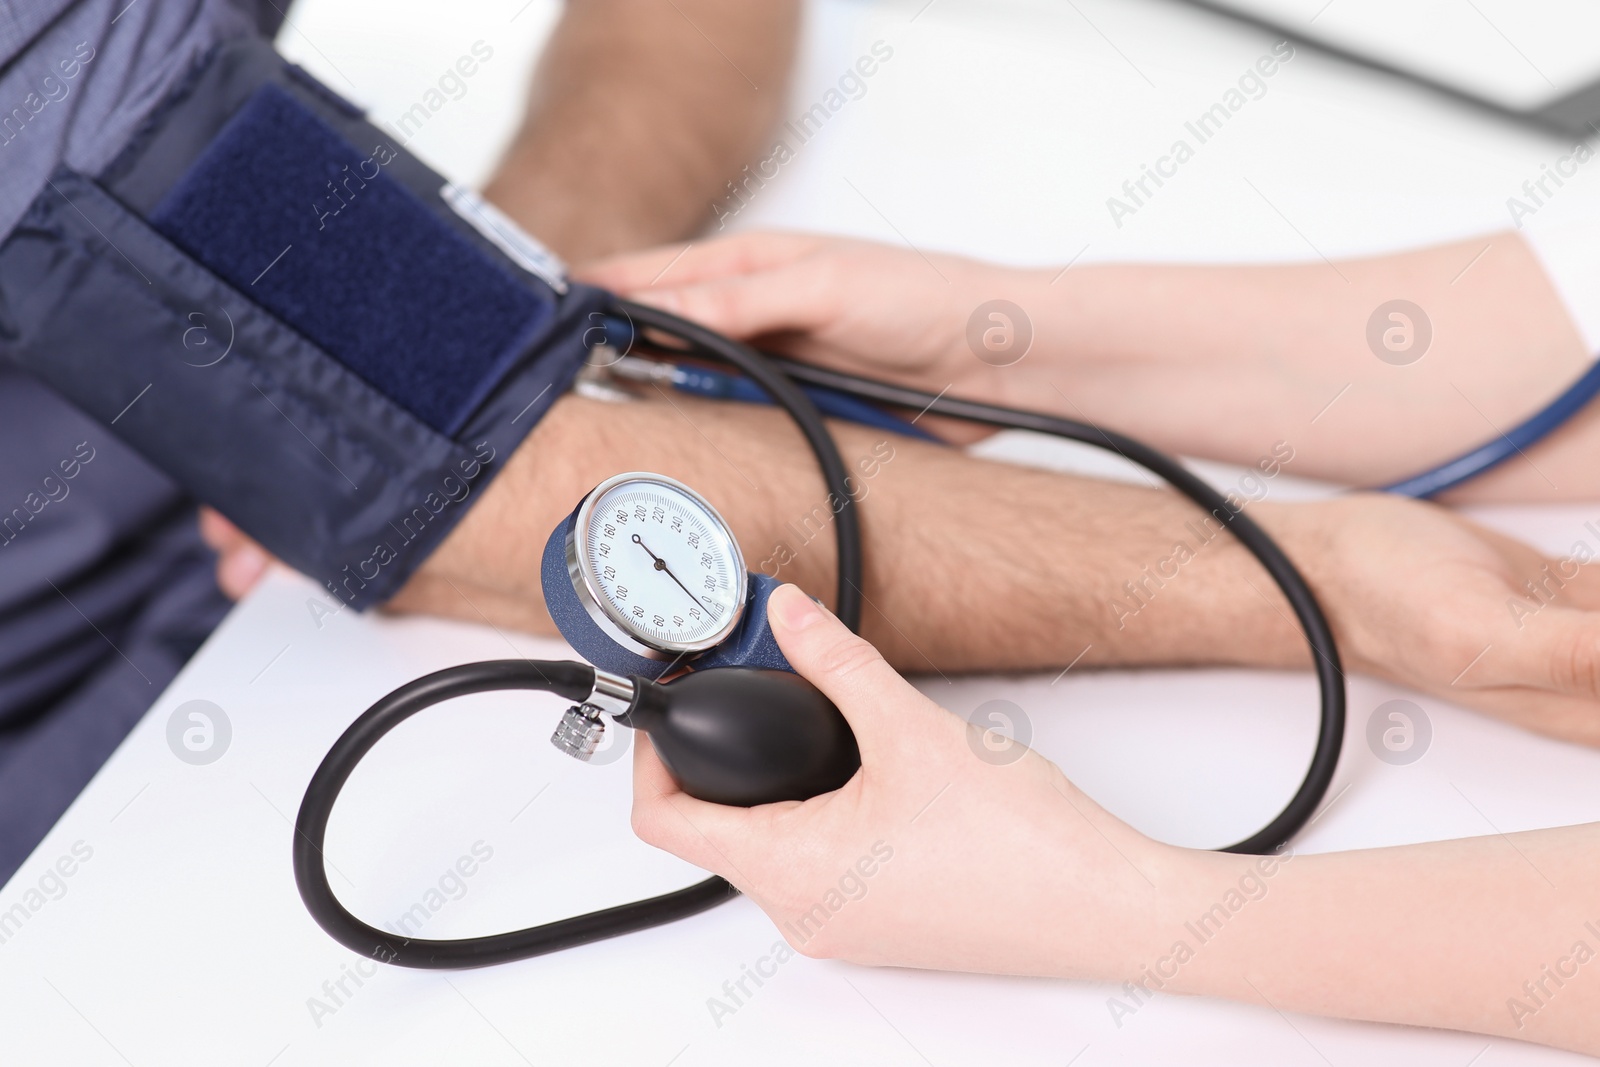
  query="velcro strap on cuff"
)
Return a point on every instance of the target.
[{"x": 340, "y": 381}]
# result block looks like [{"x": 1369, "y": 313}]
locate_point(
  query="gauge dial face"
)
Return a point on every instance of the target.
[{"x": 659, "y": 563}]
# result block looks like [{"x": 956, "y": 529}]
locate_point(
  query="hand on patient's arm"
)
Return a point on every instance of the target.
[
  {"x": 961, "y": 851},
  {"x": 855, "y": 305},
  {"x": 1222, "y": 362}
]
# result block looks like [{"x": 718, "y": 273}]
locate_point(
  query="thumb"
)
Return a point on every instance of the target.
[{"x": 850, "y": 672}]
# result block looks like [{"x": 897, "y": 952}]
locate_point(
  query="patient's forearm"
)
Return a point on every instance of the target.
[
  {"x": 639, "y": 115},
  {"x": 1225, "y": 361},
  {"x": 1495, "y": 935},
  {"x": 970, "y": 564}
]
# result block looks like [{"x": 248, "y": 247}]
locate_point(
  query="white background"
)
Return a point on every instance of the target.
[{"x": 997, "y": 129}]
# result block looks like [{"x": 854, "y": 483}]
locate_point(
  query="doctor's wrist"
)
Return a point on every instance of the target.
[{"x": 1127, "y": 933}]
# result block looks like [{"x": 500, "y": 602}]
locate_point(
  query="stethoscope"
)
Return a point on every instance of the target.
[{"x": 647, "y": 582}]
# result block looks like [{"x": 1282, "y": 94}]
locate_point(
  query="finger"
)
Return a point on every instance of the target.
[
  {"x": 793, "y": 298},
  {"x": 1557, "y": 649},
  {"x": 869, "y": 693},
  {"x": 240, "y": 561},
  {"x": 687, "y": 264},
  {"x": 1555, "y": 715},
  {"x": 1580, "y": 590},
  {"x": 218, "y": 532},
  {"x": 650, "y": 776},
  {"x": 239, "y": 570},
  {"x": 1564, "y": 579}
]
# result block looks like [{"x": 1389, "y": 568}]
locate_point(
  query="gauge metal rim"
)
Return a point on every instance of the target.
[{"x": 598, "y": 607}]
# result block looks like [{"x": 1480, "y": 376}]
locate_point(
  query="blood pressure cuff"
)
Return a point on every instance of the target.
[{"x": 295, "y": 319}]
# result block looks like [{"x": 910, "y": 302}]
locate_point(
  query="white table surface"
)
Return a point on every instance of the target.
[{"x": 997, "y": 129}]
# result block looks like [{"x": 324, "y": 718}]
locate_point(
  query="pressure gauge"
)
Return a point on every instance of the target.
[{"x": 655, "y": 567}]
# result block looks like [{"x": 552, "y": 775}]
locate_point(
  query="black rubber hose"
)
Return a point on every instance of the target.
[
  {"x": 760, "y": 368},
  {"x": 1324, "y": 652},
  {"x": 574, "y": 681}
]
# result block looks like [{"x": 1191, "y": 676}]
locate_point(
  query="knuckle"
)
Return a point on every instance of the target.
[
  {"x": 1577, "y": 663},
  {"x": 745, "y": 254}
]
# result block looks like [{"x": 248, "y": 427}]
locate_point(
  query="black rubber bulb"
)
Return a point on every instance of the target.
[{"x": 744, "y": 736}]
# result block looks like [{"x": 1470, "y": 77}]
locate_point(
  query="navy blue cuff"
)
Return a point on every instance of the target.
[
  {"x": 343, "y": 411},
  {"x": 752, "y": 644}
]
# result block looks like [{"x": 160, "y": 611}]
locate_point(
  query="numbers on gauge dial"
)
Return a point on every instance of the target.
[{"x": 665, "y": 566}]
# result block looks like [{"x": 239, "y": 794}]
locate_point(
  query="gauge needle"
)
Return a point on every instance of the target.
[{"x": 661, "y": 565}]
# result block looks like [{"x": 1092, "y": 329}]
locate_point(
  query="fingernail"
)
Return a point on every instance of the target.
[{"x": 792, "y": 609}]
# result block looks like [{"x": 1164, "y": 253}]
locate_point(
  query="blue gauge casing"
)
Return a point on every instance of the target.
[{"x": 751, "y": 643}]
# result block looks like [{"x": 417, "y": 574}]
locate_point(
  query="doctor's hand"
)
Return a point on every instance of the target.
[
  {"x": 949, "y": 849},
  {"x": 922, "y": 320}
]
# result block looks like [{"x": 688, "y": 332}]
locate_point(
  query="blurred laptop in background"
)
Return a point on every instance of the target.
[{"x": 1534, "y": 61}]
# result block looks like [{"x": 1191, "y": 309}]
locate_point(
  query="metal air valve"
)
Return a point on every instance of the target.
[{"x": 579, "y": 732}]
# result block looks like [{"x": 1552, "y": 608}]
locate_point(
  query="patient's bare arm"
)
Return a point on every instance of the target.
[
  {"x": 638, "y": 116},
  {"x": 977, "y": 565},
  {"x": 970, "y": 564},
  {"x": 973, "y": 565}
]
